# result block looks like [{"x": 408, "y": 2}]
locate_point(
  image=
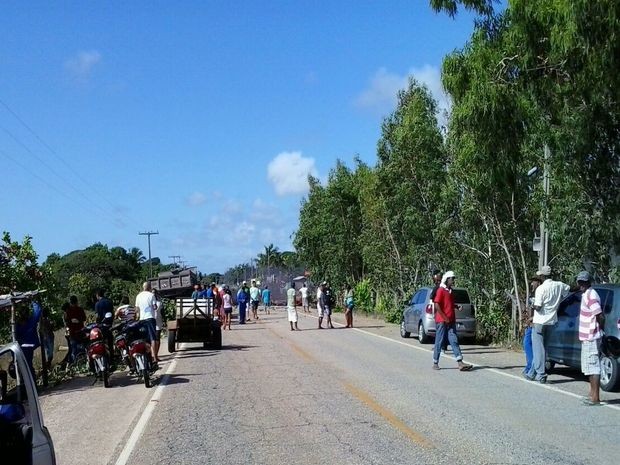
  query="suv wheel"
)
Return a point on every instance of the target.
[
  {"x": 609, "y": 373},
  {"x": 403, "y": 332},
  {"x": 422, "y": 336}
]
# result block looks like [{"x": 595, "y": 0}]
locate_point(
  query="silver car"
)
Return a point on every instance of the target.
[
  {"x": 562, "y": 339},
  {"x": 419, "y": 318},
  {"x": 23, "y": 435}
]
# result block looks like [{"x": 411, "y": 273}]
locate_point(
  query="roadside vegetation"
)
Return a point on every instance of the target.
[{"x": 459, "y": 196}]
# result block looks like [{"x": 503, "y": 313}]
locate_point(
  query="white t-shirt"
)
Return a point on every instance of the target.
[
  {"x": 226, "y": 299},
  {"x": 548, "y": 297},
  {"x": 304, "y": 292},
  {"x": 290, "y": 297},
  {"x": 146, "y": 305},
  {"x": 254, "y": 293}
]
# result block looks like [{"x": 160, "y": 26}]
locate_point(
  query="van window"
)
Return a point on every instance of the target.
[
  {"x": 607, "y": 299},
  {"x": 570, "y": 306},
  {"x": 461, "y": 296}
]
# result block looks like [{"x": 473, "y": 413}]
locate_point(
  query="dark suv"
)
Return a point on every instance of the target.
[
  {"x": 419, "y": 318},
  {"x": 562, "y": 340}
]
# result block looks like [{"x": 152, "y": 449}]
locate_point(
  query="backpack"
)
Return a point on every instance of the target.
[{"x": 327, "y": 298}]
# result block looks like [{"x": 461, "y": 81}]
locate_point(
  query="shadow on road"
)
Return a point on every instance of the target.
[
  {"x": 236, "y": 347},
  {"x": 172, "y": 379}
]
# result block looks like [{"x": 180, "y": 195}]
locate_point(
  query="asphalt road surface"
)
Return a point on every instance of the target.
[{"x": 332, "y": 396}]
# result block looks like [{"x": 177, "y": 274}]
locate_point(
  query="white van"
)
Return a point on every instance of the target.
[{"x": 23, "y": 435}]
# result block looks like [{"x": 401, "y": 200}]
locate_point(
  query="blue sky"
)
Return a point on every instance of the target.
[{"x": 200, "y": 120}]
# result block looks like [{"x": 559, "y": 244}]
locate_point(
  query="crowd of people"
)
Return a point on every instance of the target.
[{"x": 249, "y": 299}]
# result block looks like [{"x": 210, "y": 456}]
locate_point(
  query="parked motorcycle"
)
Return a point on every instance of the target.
[
  {"x": 96, "y": 342},
  {"x": 135, "y": 349}
]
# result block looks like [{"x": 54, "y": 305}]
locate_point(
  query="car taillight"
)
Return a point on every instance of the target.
[{"x": 429, "y": 309}]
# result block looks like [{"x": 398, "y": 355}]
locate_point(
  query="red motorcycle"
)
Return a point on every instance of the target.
[
  {"x": 135, "y": 349},
  {"x": 97, "y": 351}
]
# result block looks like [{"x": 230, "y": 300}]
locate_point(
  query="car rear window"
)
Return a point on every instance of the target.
[{"x": 461, "y": 296}]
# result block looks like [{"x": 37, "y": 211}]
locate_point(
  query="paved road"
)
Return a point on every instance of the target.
[{"x": 342, "y": 396}]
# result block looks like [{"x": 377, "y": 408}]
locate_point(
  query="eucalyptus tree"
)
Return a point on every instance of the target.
[{"x": 410, "y": 173}]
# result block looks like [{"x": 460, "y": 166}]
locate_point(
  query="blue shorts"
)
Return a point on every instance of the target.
[{"x": 149, "y": 324}]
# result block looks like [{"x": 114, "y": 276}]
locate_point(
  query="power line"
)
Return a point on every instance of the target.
[
  {"x": 114, "y": 211},
  {"x": 51, "y": 169}
]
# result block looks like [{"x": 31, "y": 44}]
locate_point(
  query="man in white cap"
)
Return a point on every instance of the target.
[
  {"x": 591, "y": 322},
  {"x": 547, "y": 298},
  {"x": 445, "y": 322}
]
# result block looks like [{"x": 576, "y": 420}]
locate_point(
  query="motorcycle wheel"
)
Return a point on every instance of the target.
[{"x": 147, "y": 378}]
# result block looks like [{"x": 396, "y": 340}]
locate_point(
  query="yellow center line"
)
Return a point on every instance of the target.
[
  {"x": 389, "y": 416},
  {"x": 367, "y": 400}
]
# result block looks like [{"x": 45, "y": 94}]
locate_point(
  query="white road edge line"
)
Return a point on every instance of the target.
[
  {"x": 492, "y": 370},
  {"x": 144, "y": 418}
]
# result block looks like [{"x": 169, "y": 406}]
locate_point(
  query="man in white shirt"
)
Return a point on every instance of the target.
[
  {"x": 146, "y": 307},
  {"x": 254, "y": 299},
  {"x": 303, "y": 292},
  {"x": 547, "y": 298}
]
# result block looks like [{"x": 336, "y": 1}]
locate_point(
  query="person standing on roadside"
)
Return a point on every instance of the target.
[
  {"x": 591, "y": 322},
  {"x": 74, "y": 318},
  {"x": 320, "y": 303},
  {"x": 125, "y": 312},
  {"x": 105, "y": 316},
  {"x": 159, "y": 322},
  {"x": 445, "y": 322},
  {"x": 254, "y": 299},
  {"x": 145, "y": 312},
  {"x": 46, "y": 332},
  {"x": 242, "y": 302},
  {"x": 227, "y": 306},
  {"x": 348, "y": 305},
  {"x": 267, "y": 299},
  {"x": 547, "y": 298},
  {"x": 527, "y": 334},
  {"x": 328, "y": 302},
  {"x": 291, "y": 306},
  {"x": 305, "y": 304},
  {"x": 26, "y": 331},
  {"x": 197, "y": 291}
]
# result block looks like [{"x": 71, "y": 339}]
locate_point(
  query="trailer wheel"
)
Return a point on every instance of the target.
[
  {"x": 216, "y": 338},
  {"x": 172, "y": 340}
]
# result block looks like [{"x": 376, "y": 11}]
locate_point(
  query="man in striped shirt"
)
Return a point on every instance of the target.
[{"x": 590, "y": 323}]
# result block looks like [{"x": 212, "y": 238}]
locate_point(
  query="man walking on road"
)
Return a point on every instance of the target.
[
  {"x": 591, "y": 320},
  {"x": 254, "y": 299},
  {"x": 547, "y": 298},
  {"x": 291, "y": 306},
  {"x": 445, "y": 322},
  {"x": 266, "y": 294}
]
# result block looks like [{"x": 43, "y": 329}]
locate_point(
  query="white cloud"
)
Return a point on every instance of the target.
[
  {"x": 382, "y": 92},
  {"x": 81, "y": 66},
  {"x": 288, "y": 172},
  {"x": 196, "y": 199}
]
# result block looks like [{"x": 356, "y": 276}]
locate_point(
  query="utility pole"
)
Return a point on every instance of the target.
[
  {"x": 149, "y": 234},
  {"x": 175, "y": 258},
  {"x": 543, "y": 256}
]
